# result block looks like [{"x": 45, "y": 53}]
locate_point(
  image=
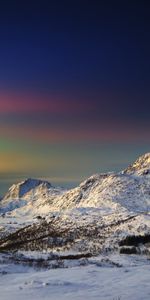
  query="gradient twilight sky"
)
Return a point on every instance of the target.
[{"x": 74, "y": 88}]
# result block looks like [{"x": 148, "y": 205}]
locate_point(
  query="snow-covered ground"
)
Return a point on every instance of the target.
[{"x": 94, "y": 281}]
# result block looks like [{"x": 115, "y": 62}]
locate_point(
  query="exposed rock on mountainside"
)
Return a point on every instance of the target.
[{"x": 141, "y": 166}]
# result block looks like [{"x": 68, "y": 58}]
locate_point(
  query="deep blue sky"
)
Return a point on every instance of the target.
[
  {"x": 74, "y": 78},
  {"x": 75, "y": 45}
]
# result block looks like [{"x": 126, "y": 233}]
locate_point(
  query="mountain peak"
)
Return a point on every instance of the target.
[
  {"x": 141, "y": 166},
  {"x": 20, "y": 189}
]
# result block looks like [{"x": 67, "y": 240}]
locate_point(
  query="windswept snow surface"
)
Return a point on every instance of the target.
[
  {"x": 66, "y": 244},
  {"x": 94, "y": 281}
]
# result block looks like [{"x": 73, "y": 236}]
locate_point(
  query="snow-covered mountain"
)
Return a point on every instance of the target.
[
  {"x": 28, "y": 195},
  {"x": 26, "y": 188},
  {"x": 93, "y": 217},
  {"x": 129, "y": 189}
]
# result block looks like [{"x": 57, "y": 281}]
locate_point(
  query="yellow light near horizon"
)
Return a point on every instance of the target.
[
  {"x": 20, "y": 162},
  {"x": 26, "y": 163},
  {"x": 13, "y": 162}
]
